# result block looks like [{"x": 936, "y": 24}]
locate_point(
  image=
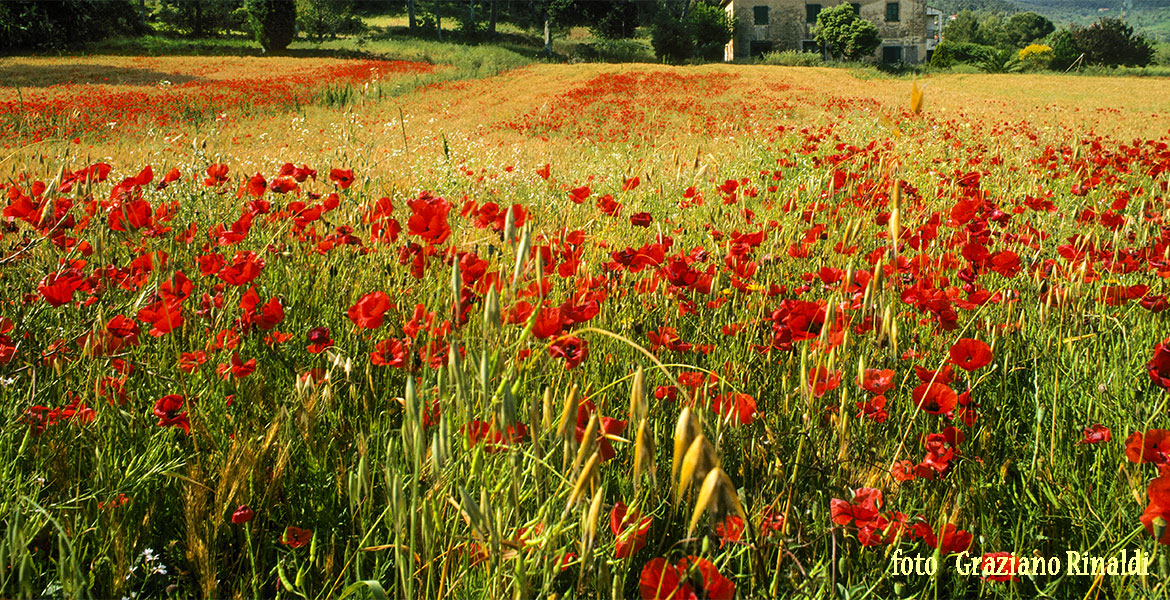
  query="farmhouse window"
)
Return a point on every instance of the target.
[
  {"x": 811, "y": 11},
  {"x": 760, "y": 15},
  {"x": 892, "y": 54},
  {"x": 892, "y": 12}
]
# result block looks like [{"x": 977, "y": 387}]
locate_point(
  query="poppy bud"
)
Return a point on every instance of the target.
[
  {"x": 242, "y": 515},
  {"x": 1159, "y": 525}
]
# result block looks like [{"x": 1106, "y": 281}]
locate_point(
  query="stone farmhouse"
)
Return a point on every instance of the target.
[{"x": 908, "y": 28}]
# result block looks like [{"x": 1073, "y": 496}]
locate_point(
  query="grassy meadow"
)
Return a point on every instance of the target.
[{"x": 432, "y": 322}]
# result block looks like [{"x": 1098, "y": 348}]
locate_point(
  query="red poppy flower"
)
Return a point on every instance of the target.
[
  {"x": 170, "y": 413},
  {"x": 245, "y": 267},
  {"x": 860, "y": 512},
  {"x": 630, "y": 529},
  {"x": 242, "y": 515},
  {"x": 391, "y": 353},
  {"x": 256, "y": 186},
  {"x": 544, "y": 171},
  {"x": 295, "y": 537},
  {"x": 189, "y": 361},
  {"x": 1153, "y": 447},
  {"x": 970, "y": 354},
  {"x": 822, "y": 380},
  {"x": 1095, "y": 434},
  {"x": 660, "y": 580},
  {"x": 318, "y": 340},
  {"x": 954, "y": 540},
  {"x": 874, "y": 409},
  {"x": 573, "y": 350},
  {"x": 57, "y": 288},
  {"x": 1002, "y": 566},
  {"x": 342, "y": 177},
  {"x": 642, "y": 219},
  {"x": 1158, "y": 493},
  {"x": 428, "y": 219},
  {"x": 942, "y": 376},
  {"x": 579, "y": 195},
  {"x": 771, "y": 522},
  {"x": 163, "y": 315},
  {"x": 607, "y": 427},
  {"x": 739, "y": 408},
  {"x": 935, "y": 398},
  {"x": 878, "y": 381},
  {"x": 494, "y": 441},
  {"x": 216, "y": 175},
  {"x": 1159, "y": 365},
  {"x": 241, "y": 368},
  {"x": 368, "y": 311},
  {"x": 730, "y": 529}
]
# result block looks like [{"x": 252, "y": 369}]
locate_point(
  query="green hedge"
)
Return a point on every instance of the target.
[{"x": 951, "y": 53}]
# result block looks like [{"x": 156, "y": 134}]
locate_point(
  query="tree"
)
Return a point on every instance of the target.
[
  {"x": 612, "y": 19},
  {"x": 1111, "y": 42},
  {"x": 1026, "y": 27},
  {"x": 32, "y": 24},
  {"x": 964, "y": 29},
  {"x": 670, "y": 38},
  {"x": 844, "y": 34},
  {"x": 320, "y": 19},
  {"x": 711, "y": 29},
  {"x": 698, "y": 30},
  {"x": 200, "y": 18},
  {"x": 273, "y": 22},
  {"x": 1064, "y": 50}
]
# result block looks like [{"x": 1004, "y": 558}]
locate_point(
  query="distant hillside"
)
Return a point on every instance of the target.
[{"x": 1151, "y": 17}]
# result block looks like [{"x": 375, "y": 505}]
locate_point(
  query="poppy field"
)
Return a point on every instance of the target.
[{"x": 620, "y": 331}]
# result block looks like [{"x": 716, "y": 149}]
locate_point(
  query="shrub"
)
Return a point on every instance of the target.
[
  {"x": 949, "y": 53},
  {"x": 273, "y": 22},
  {"x": 1111, "y": 42},
  {"x": 791, "y": 58},
  {"x": 846, "y": 35},
  {"x": 1035, "y": 57}
]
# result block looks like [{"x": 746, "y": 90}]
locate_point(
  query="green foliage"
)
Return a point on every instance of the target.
[
  {"x": 948, "y": 54},
  {"x": 711, "y": 29},
  {"x": 27, "y": 24},
  {"x": 791, "y": 58},
  {"x": 1000, "y": 60},
  {"x": 1111, "y": 42},
  {"x": 1026, "y": 27},
  {"x": 671, "y": 40},
  {"x": 701, "y": 33},
  {"x": 273, "y": 22},
  {"x": 613, "y": 19},
  {"x": 964, "y": 29},
  {"x": 846, "y": 35},
  {"x": 1064, "y": 50},
  {"x": 201, "y": 18},
  {"x": 321, "y": 19}
]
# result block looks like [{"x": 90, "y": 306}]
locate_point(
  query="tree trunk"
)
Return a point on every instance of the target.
[
  {"x": 438, "y": 20},
  {"x": 412, "y": 23},
  {"x": 547, "y": 35},
  {"x": 492, "y": 19}
]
